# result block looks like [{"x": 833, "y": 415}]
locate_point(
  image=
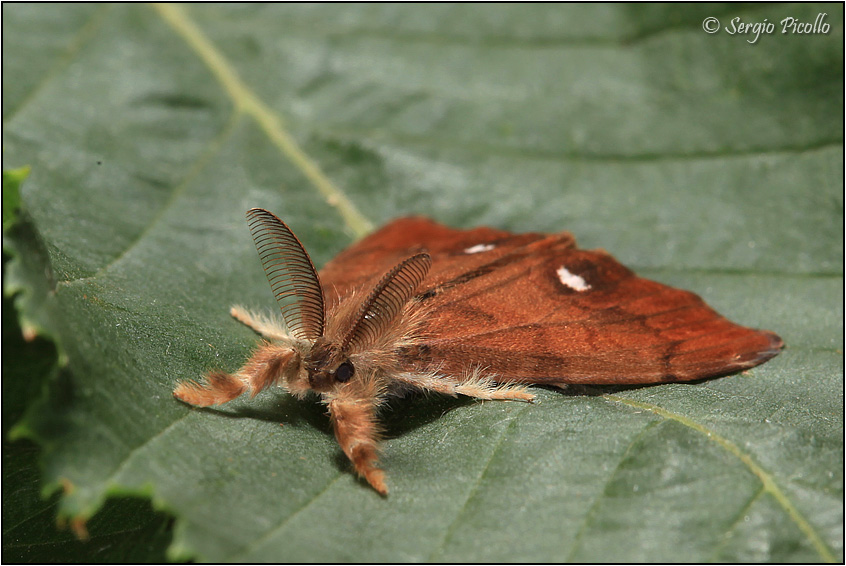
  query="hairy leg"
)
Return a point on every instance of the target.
[
  {"x": 474, "y": 385},
  {"x": 263, "y": 324},
  {"x": 355, "y": 429},
  {"x": 266, "y": 366}
]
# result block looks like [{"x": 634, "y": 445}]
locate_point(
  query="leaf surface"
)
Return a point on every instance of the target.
[{"x": 702, "y": 161}]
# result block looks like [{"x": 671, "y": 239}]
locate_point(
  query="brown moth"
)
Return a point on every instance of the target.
[{"x": 481, "y": 312}]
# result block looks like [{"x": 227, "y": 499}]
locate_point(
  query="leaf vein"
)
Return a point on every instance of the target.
[
  {"x": 474, "y": 489},
  {"x": 75, "y": 45},
  {"x": 212, "y": 148},
  {"x": 768, "y": 481},
  {"x": 667, "y": 155},
  {"x": 740, "y": 514},
  {"x": 247, "y": 101},
  {"x": 589, "y": 514},
  {"x": 243, "y": 556}
]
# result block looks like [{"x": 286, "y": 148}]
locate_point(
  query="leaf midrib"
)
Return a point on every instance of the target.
[{"x": 270, "y": 122}]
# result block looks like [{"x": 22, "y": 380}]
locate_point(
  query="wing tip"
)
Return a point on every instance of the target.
[{"x": 772, "y": 348}]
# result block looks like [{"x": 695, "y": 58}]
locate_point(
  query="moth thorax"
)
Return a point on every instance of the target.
[{"x": 327, "y": 366}]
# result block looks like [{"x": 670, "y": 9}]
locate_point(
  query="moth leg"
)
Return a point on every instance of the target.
[
  {"x": 483, "y": 389},
  {"x": 473, "y": 386},
  {"x": 356, "y": 431},
  {"x": 266, "y": 367},
  {"x": 261, "y": 323}
]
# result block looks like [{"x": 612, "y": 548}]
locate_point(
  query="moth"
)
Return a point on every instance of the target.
[{"x": 482, "y": 312}]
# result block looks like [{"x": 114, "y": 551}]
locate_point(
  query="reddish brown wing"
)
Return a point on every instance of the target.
[
  {"x": 361, "y": 265},
  {"x": 535, "y": 308}
]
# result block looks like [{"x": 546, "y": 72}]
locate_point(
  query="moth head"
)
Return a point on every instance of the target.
[
  {"x": 327, "y": 366},
  {"x": 326, "y": 363}
]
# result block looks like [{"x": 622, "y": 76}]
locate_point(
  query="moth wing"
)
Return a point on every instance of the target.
[
  {"x": 360, "y": 266},
  {"x": 579, "y": 316},
  {"x": 534, "y": 308}
]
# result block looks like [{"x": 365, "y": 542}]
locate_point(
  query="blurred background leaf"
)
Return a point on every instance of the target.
[{"x": 703, "y": 161}]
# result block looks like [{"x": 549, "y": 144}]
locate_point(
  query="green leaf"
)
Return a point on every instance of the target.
[
  {"x": 126, "y": 530},
  {"x": 703, "y": 161},
  {"x": 12, "y": 180}
]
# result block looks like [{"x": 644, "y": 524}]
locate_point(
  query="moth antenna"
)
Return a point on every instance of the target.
[
  {"x": 385, "y": 302},
  {"x": 290, "y": 272}
]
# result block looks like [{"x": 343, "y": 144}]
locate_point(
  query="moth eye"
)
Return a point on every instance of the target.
[{"x": 344, "y": 372}]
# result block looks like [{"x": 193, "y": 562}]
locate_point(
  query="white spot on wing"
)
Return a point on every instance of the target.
[
  {"x": 478, "y": 248},
  {"x": 571, "y": 280}
]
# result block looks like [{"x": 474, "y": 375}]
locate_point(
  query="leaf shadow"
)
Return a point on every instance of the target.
[
  {"x": 585, "y": 390},
  {"x": 397, "y": 417},
  {"x": 402, "y": 415},
  {"x": 278, "y": 409}
]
